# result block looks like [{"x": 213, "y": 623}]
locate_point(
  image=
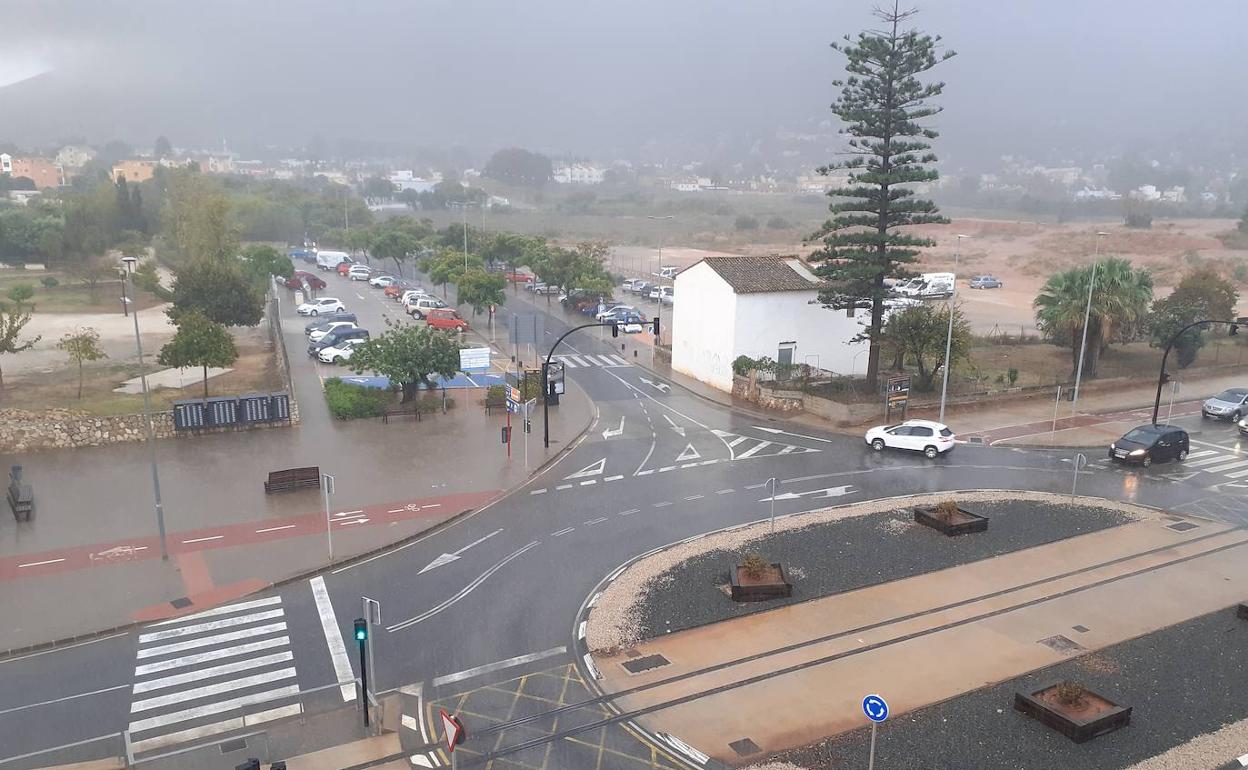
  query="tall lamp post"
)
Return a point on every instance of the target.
[
  {"x": 661, "y": 219},
  {"x": 147, "y": 418},
  {"x": 953, "y": 303},
  {"x": 1087, "y": 316},
  {"x": 463, "y": 207},
  {"x": 1162, "y": 375}
]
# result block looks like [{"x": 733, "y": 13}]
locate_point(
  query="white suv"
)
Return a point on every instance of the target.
[
  {"x": 359, "y": 272},
  {"x": 340, "y": 353},
  {"x": 930, "y": 438},
  {"x": 316, "y": 334},
  {"x": 419, "y": 306},
  {"x": 321, "y": 305}
]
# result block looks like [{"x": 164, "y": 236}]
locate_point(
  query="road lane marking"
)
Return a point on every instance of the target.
[
  {"x": 592, "y": 522},
  {"x": 40, "y": 563},
  {"x": 62, "y": 700},
  {"x": 587, "y": 483},
  {"x": 562, "y": 532},
  {"x": 465, "y": 590},
  {"x": 490, "y": 668},
  {"x": 1228, "y": 466},
  {"x": 212, "y": 708},
  {"x": 205, "y": 641},
  {"x": 580, "y": 631},
  {"x": 204, "y": 657},
  {"x": 212, "y": 671},
  {"x": 667, "y": 468},
  {"x": 1206, "y": 461},
  {"x": 66, "y": 647},
  {"x": 563, "y": 486},
  {"x": 613, "y": 478},
  {"x": 695, "y": 497},
  {"x": 662, "y": 504},
  {"x": 333, "y": 638},
  {"x": 644, "y": 473},
  {"x": 541, "y": 491},
  {"x": 753, "y": 450},
  {"x": 203, "y": 539},
  {"x": 274, "y": 529},
  {"x": 629, "y": 512},
  {"x": 211, "y": 625},
  {"x": 724, "y": 491},
  {"x": 195, "y": 693},
  {"x": 213, "y": 728}
]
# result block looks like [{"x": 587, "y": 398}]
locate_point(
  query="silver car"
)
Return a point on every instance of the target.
[{"x": 1231, "y": 404}]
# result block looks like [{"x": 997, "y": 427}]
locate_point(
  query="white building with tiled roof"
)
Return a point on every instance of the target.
[{"x": 757, "y": 306}]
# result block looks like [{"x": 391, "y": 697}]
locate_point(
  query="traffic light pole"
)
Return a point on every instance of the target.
[
  {"x": 361, "y": 638},
  {"x": 1162, "y": 376},
  {"x": 546, "y": 368}
]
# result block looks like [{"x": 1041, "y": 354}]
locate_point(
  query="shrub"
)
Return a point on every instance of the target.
[
  {"x": 1012, "y": 375},
  {"x": 1070, "y": 693},
  {"x": 1241, "y": 273},
  {"x": 946, "y": 510},
  {"x": 754, "y": 565},
  {"x": 778, "y": 223},
  {"x": 21, "y": 292},
  {"x": 49, "y": 281},
  {"x": 741, "y": 365},
  {"x": 348, "y": 402},
  {"x": 746, "y": 222}
]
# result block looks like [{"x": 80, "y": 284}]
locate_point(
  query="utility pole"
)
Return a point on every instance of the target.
[
  {"x": 953, "y": 304},
  {"x": 361, "y": 637},
  {"x": 1087, "y": 316},
  {"x": 147, "y": 419}
]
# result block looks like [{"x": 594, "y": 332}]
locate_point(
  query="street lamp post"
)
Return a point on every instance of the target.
[
  {"x": 1161, "y": 374},
  {"x": 147, "y": 419},
  {"x": 660, "y": 219},
  {"x": 953, "y": 303},
  {"x": 1087, "y": 316}
]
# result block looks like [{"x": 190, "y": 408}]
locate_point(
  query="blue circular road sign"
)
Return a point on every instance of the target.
[{"x": 875, "y": 708}]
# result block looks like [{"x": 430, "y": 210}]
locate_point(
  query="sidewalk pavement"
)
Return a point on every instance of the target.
[{"x": 89, "y": 560}]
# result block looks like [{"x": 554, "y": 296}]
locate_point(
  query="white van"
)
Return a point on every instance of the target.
[
  {"x": 928, "y": 286},
  {"x": 329, "y": 260}
]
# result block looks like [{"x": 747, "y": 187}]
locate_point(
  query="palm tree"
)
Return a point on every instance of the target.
[{"x": 1121, "y": 297}]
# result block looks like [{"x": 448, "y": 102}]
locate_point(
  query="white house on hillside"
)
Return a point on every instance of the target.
[{"x": 757, "y": 306}]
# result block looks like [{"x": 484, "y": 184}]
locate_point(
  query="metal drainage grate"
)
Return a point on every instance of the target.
[
  {"x": 1182, "y": 526},
  {"x": 1081, "y": 629},
  {"x": 744, "y": 747},
  {"x": 238, "y": 744},
  {"x": 181, "y": 603},
  {"x": 1062, "y": 644},
  {"x": 638, "y": 665}
]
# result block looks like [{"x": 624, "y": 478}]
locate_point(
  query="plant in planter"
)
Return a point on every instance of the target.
[
  {"x": 755, "y": 579},
  {"x": 1073, "y": 710},
  {"x": 948, "y": 518}
]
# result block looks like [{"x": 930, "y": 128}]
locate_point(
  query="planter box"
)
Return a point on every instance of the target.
[
  {"x": 1096, "y": 715},
  {"x": 770, "y": 585},
  {"x": 963, "y": 523}
]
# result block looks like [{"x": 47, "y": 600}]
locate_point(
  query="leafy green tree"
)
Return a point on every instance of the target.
[
  {"x": 163, "y": 148},
  {"x": 513, "y": 250},
  {"x": 21, "y": 293},
  {"x": 1206, "y": 288},
  {"x": 479, "y": 288},
  {"x": 201, "y": 342},
  {"x": 517, "y": 166},
  {"x": 377, "y": 187},
  {"x": 218, "y": 290},
  {"x": 882, "y": 104},
  {"x": 82, "y": 346},
  {"x": 408, "y": 354},
  {"x": 260, "y": 262},
  {"x": 197, "y": 217},
  {"x": 147, "y": 278},
  {"x": 448, "y": 265},
  {"x": 918, "y": 335},
  {"x": 1168, "y": 318},
  {"x": 1121, "y": 296},
  {"x": 11, "y": 324},
  {"x": 91, "y": 272},
  {"x": 395, "y": 245}
]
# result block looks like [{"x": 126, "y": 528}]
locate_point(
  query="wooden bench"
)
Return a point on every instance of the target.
[
  {"x": 292, "y": 479},
  {"x": 389, "y": 413},
  {"x": 492, "y": 403},
  {"x": 21, "y": 500}
]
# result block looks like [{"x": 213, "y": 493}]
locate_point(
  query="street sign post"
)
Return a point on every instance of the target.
[
  {"x": 372, "y": 617},
  {"x": 876, "y": 710},
  {"x": 452, "y": 732},
  {"x": 474, "y": 359},
  {"x": 327, "y": 486},
  {"x": 897, "y": 394}
]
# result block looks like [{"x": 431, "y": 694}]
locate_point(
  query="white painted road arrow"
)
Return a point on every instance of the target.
[
  {"x": 786, "y": 433},
  {"x": 829, "y": 492},
  {"x": 613, "y": 432},
  {"x": 660, "y": 385},
  {"x": 679, "y": 429},
  {"x": 447, "y": 558}
]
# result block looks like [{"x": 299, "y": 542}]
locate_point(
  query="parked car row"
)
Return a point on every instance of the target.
[
  {"x": 665, "y": 295},
  {"x": 416, "y": 302},
  {"x": 333, "y": 339}
]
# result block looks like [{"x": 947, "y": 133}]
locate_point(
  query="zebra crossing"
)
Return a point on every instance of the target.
[
  {"x": 216, "y": 671},
  {"x": 744, "y": 447},
  {"x": 586, "y": 360}
]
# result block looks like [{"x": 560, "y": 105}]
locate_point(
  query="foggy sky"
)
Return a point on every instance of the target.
[{"x": 604, "y": 79}]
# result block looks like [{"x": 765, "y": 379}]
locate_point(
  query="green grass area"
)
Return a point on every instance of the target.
[{"x": 71, "y": 295}]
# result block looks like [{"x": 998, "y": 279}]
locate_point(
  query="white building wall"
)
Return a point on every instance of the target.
[
  {"x": 765, "y": 320},
  {"x": 703, "y": 326}
]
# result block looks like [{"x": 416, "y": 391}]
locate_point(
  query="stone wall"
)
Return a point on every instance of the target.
[{"x": 23, "y": 431}]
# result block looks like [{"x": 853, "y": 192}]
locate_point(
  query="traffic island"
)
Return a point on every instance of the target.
[
  {"x": 948, "y": 519},
  {"x": 1073, "y": 710}
]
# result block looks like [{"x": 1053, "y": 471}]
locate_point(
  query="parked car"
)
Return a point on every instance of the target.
[
  {"x": 642, "y": 288},
  {"x": 612, "y": 310},
  {"x": 986, "y": 282},
  {"x": 336, "y": 337},
  {"x": 344, "y": 268},
  {"x": 316, "y": 335},
  {"x": 1149, "y": 443},
  {"x": 340, "y": 353},
  {"x": 321, "y": 305},
  {"x": 382, "y": 281},
  {"x": 535, "y": 286},
  {"x": 1231, "y": 403},
  {"x": 395, "y": 290},
  {"x": 359, "y": 272},
  {"x": 621, "y": 312},
  {"x": 630, "y": 283},
  {"x": 930, "y": 438},
  {"x": 518, "y": 276},
  {"x": 323, "y": 321},
  {"x": 1243, "y": 426},
  {"x": 446, "y": 320},
  {"x": 630, "y": 323},
  {"x": 547, "y": 289},
  {"x": 301, "y": 279},
  {"x": 328, "y": 260},
  {"x": 655, "y": 292},
  {"x": 419, "y": 307},
  {"x": 667, "y": 295}
]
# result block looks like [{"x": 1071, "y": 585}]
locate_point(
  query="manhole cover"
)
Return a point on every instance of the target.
[
  {"x": 238, "y": 744},
  {"x": 744, "y": 747},
  {"x": 1062, "y": 644},
  {"x": 1182, "y": 526},
  {"x": 638, "y": 665},
  {"x": 1081, "y": 629},
  {"x": 181, "y": 603}
]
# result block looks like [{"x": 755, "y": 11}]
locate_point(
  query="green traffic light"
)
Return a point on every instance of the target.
[{"x": 361, "y": 630}]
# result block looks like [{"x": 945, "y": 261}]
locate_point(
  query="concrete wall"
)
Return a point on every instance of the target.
[
  {"x": 22, "y": 431},
  {"x": 763, "y": 321},
  {"x": 703, "y": 326}
]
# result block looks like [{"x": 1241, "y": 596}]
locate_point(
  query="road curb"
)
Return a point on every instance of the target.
[{"x": 69, "y": 641}]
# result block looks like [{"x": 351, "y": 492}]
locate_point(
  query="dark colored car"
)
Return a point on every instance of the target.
[
  {"x": 335, "y": 337},
  {"x": 1150, "y": 443},
  {"x": 986, "y": 282},
  {"x": 301, "y": 278},
  {"x": 324, "y": 321}
]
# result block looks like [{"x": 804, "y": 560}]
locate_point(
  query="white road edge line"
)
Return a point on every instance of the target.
[
  {"x": 333, "y": 638},
  {"x": 490, "y": 668}
]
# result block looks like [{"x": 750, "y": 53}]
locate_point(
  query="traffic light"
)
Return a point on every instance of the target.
[
  {"x": 361, "y": 630},
  {"x": 656, "y": 326},
  {"x": 1234, "y": 329},
  {"x": 1165, "y": 377},
  {"x": 615, "y": 329}
]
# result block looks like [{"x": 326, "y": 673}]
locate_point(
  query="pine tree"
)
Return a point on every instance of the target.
[{"x": 881, "y": 103}]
